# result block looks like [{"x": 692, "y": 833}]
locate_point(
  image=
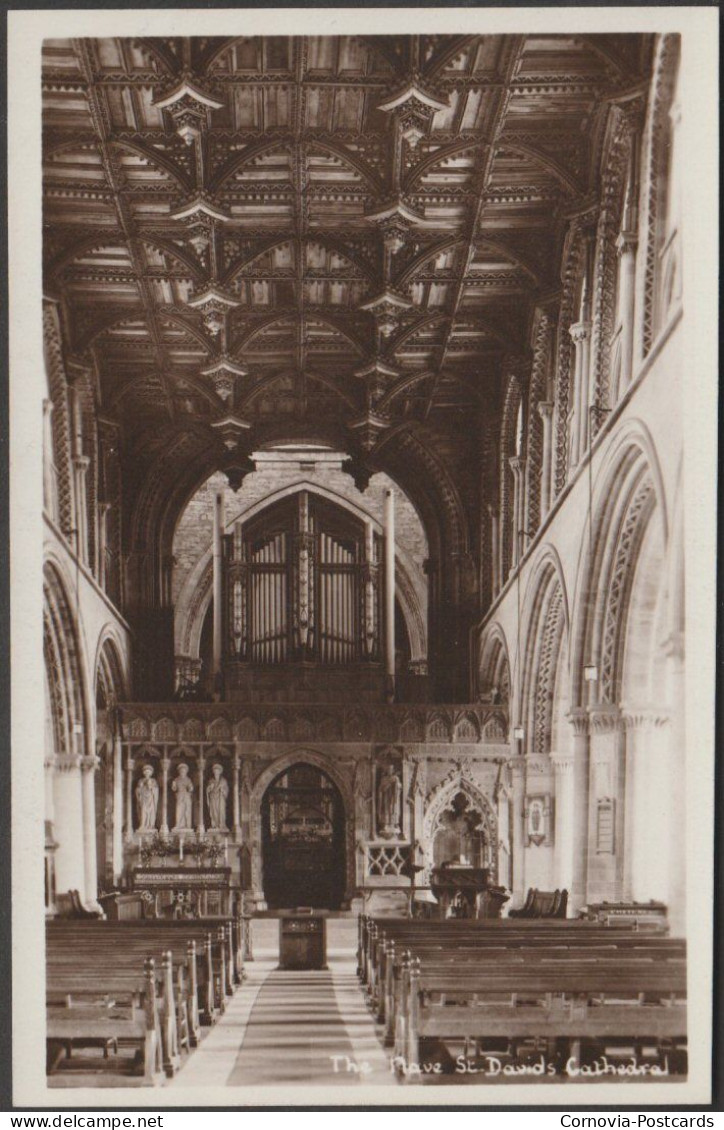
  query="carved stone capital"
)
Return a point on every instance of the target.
[
  {"x": 545, "y": 409},
  {"x": 578, "y": 718},
  {"x": 50, "y": 761},
  {"x": 626, "y": 242},
  {"x": 580, "y": 331},
  {"x": 517, "y": 766},
  {"x": 517, "y": 464},
  {"x": 90, "y": 764},
  {"x": 81, "y": 462},
  {"x": 562, "y": 764},
  {"x": 605, "y": 719},
  {"x": 68, "y": 762},
  {"x": 165, "y": 764},
  {"x": 493, "y": 511},
  {"x": 645, "y": 717}
]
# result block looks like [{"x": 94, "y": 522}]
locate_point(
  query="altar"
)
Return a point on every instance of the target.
[{"x": 183, "y": 892}]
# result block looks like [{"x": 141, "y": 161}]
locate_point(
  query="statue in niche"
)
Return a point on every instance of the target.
[
  {"x": 389, "y": 796},
  {"x": 184, "y": 789},
  {"x": 147, "y": 800},
  {"x": 217, "y": 790}
]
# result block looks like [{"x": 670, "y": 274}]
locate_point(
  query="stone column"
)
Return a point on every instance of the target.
[
  {"x": 632, "y": 764},
  {"x": 677, "y": 783},
  {"x": 578, "y": 718},
  {"x": 517, "y": 466},
  {"x": 165, "y": 766},
  {"x": 495, "y": 547},
  {"x": 604, "y": 752},
  {"x": 50, "y": 495},
  {"x": 564, "y": 820},
  {"x": 218, "y": 611},
  {"x": 201, "y": 827},
  {"x": 104, "y": 509},
  {"x": 581, "y": 335},
  {"x": 236, "y": 813},
  {"x": 626, "y": 245},
  {"x": 81, "y": 463},
  {"x": 637, "y": 723},
  {"x": 517, "y": 766},
  {"x": 128, "y": 825},
  {"x": 502, "y": 803},
  {"x": 49, "y": 765},
  {"x": 545, "y": 411},
  {"x": 389, "y": 596},
  {"x": 117, "y": 809},
  {"x": 89, "y": 766},
  {"x": 69, "y": 830},
  {"x": 648, "y": 805}
]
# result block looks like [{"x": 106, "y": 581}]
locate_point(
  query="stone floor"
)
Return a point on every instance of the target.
[{"x": 292, "y": 1027}]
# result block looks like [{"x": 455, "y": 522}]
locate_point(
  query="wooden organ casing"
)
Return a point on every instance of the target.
[{"x": 302, "y": 585}]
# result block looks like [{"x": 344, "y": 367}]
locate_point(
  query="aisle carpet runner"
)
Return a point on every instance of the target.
[{"x": 294, "y": 1031}]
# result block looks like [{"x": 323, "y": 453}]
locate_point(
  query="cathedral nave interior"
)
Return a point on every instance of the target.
[{"x": 363, "y": 515}]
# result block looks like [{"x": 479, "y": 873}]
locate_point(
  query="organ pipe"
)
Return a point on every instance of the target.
[
  {"x": 334, "y": 580},
  {"x": 304, "y": 576}
]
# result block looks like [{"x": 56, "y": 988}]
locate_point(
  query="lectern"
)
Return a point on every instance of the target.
[{"x": 302, "y": 940}]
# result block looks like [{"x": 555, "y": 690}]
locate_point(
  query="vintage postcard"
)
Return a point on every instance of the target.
[{"x": 363, "y": 440}]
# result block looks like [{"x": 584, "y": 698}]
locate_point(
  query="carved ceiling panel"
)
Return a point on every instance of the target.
[{"x": 355, "y": 226}]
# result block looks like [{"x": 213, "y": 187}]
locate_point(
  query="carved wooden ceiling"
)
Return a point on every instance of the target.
[{"x": 274, "y": 232}]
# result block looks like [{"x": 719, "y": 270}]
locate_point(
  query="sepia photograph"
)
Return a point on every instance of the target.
[{"x": 356, "y": 745}]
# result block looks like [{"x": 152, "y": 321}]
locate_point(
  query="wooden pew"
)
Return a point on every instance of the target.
[
  {"x": 542, "y": 954},
  {"x": 107, "y": 1008},
  {"x": 376, "y": 933},
  {"x": 452, "y": 932},
  {"x": 384, "y": 1003},
  {"x": 547, "y": 947},
  {"x": 190, "y": 960},
  {"x": 567, "y": 1002},
  {"x": 209, "y": 979},
  {"x": 542, "y": 904},
  {"x": 91, "y": 972}
]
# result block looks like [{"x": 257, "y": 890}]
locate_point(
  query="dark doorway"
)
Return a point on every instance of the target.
[{"x": 303, "y": 840}]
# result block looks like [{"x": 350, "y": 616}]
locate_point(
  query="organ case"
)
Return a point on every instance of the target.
[{"x": 301, "y": 585}]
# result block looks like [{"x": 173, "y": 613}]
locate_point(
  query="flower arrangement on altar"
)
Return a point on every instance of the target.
[
  {"x": 161, "y": 850},
  {"x": 153, "y": 849}
]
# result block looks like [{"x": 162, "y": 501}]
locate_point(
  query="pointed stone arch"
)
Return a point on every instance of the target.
[
  {"x": 111, "y": 668},
  {"x": 494, "y": 665},
  {"x": 627, "y": 495},
  {"x": 343, "y": 781},
  {"x": 545, "y": 630},
  {"x": 65, "y": 661},
  {"x": 194, "y": 598}
]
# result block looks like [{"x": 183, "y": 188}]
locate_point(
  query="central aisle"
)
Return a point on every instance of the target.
[{"x": 287, "y": 1027}]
